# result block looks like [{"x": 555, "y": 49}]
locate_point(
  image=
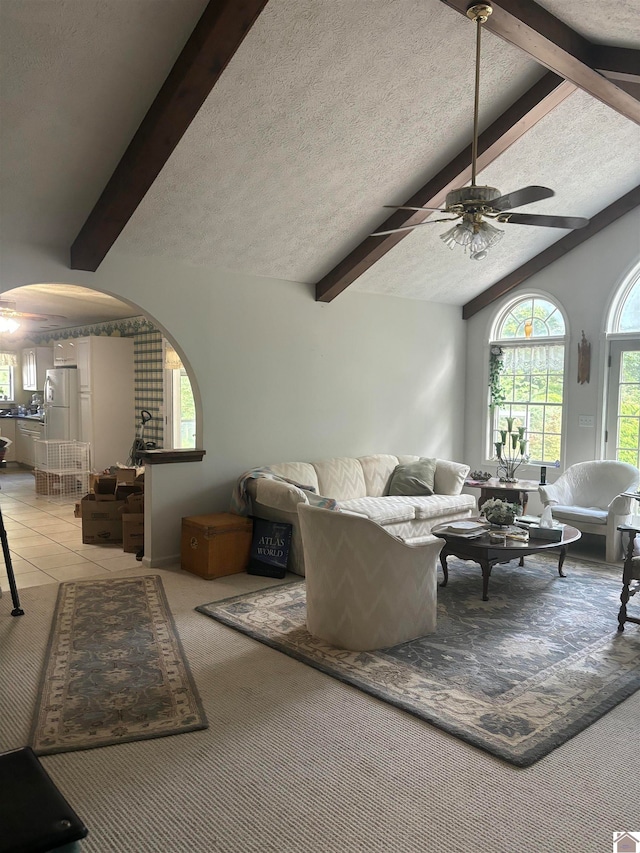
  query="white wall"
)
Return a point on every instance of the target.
[
  {"x": 280, "y": 376},
  {"x": 584, "y": 282}
]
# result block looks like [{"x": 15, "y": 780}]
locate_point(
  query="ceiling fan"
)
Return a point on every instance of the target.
[
  {"x": 475, "y": 205},
  {"x": 10, "y": 317}
]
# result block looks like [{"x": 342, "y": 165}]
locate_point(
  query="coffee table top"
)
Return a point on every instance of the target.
[{"x": 569, "y": 534}]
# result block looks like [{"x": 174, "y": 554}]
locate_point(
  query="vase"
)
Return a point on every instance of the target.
[{"x": 505, "y": 521}]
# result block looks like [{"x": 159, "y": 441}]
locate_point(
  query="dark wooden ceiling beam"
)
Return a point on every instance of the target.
[
  {"x": 215, "y": 39},
  {"x": 543, "y": 97},
  {"x": 614, "y": 211},
  {"x": 556, "y": 46},
  {"x": 614, "y": 61}
]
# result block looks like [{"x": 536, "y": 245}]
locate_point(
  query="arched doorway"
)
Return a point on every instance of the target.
[{"x": 55, "y": 315}]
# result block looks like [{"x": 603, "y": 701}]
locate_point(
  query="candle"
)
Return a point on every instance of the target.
[
  {"x": 514, "y": 440},
  {"x": 499, "y": 449},
  {"x": 521, "y": 432},
  {"x": 503, "y": 435},
  {"x": 510, "y": 424}
]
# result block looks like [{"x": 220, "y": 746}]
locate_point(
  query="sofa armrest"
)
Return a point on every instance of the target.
[
  {"x": 449, "y": 477},
  {"x": 279, "y": 495}
]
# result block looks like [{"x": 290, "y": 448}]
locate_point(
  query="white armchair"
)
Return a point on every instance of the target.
[
  {"x": 366, "y": 589},
  {"x": 588, "y": 496}
]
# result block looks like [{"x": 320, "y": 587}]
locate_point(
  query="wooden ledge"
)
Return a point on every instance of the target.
[{"x": 166, "y": 457}]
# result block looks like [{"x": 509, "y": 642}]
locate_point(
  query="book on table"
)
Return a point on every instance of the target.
[{"x": 466, "y": 528}]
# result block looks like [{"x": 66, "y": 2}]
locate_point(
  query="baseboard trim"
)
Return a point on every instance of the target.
[{"x": 161, "y": 562}]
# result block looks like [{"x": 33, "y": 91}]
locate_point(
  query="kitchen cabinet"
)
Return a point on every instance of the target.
[
  {"x": 105, "y": 383},
  {"x": 64, "y": 353},
  {"x": 8, "y": 430},
  {"x": 26, "y": 431},
  {"x": 35, "y": 363}
]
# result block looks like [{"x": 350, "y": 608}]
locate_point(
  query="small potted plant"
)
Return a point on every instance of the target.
[{"x": 500, "y": 512}]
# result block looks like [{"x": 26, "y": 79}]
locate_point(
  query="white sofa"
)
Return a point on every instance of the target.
[{"x": 359, "y": 486}]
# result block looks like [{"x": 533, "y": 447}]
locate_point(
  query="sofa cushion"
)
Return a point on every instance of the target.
[
  {"x": 340, "y": 478},
  {"x": 450, "y": 477},
  {"x": 415, "y": 478},
  {"x": 377, "y": 470},
  {"x": 584, "y": 514},
  {"x": 383, "y": 510},
  {"x": 436, "y": 506}
]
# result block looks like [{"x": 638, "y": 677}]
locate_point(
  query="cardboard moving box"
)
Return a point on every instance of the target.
[
  {"x": 132, "y": 532},
  {"x": 133, "y": 524},
  {"x": 101, "y": 520}
]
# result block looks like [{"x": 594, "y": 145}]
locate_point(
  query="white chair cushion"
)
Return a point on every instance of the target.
[{"x": 590, "y": 514}]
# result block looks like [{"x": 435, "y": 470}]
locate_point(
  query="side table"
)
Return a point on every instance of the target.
[
  {"x": 517, "y": 492},
  {"x": 630, "y": 572}
]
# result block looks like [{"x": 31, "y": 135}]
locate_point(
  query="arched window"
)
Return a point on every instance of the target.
[
  {"x": 622, "y": 436},
  {"x": 526, "y": 377}
]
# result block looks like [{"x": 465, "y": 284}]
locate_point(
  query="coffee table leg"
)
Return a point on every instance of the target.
[
  {"x": 485, "y": 565},
  {"x": 445, "y": 570},
  {"x": 563, "y": 554}
]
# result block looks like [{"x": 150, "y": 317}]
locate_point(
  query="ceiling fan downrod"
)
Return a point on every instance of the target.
[{"x": 478, "y": 12}]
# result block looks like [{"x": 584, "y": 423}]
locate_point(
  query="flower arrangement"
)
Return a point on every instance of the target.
[{"x": 497, "y": 511}]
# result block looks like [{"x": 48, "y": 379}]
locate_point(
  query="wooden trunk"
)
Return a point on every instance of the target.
[{"x": 216, "y": 545}]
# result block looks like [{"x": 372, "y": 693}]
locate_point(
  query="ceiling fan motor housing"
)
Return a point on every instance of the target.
[{"x": 471, "y": 199}]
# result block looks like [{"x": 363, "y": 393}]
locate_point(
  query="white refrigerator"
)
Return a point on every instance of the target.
[{"x": 61, "y": 404}]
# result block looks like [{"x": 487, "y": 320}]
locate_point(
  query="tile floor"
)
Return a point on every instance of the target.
[{"x": 45, "y": 539}]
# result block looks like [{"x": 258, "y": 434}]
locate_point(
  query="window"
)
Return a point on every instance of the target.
[
  {"x": 180, "y": 410},
  {"x": 623, "y": 399},
  {"x": 8, "y": 362},
  {"x": 527, "y": 375}
]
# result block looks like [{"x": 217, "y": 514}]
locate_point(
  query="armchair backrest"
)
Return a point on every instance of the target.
[{"x": 597, "y": 483}]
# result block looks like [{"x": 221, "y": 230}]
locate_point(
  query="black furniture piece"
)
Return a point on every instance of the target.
[
  {"x": 15, "y": 598},
  {"x": 34, "y": 816},
  {"x": 488, "y": 553},
  {"x": 630, "y": 573}
]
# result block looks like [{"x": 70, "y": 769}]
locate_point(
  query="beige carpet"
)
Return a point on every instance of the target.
[{"x": 294, "y": 760}]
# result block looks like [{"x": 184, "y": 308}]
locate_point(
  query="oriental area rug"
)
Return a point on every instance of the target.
[
  {"x": 517, "y": 675},
  {"x": 114, "y": 670}
]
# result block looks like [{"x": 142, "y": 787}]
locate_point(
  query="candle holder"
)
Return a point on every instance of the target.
[{"x": 511, "y": 451}]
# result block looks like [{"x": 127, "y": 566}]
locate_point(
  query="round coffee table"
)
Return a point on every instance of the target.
[{"x": 487, "y": 553}]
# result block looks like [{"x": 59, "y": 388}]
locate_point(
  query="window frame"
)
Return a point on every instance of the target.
[
  {"x": 496, "y": 322},
  {"x": 12, "y": 383}
]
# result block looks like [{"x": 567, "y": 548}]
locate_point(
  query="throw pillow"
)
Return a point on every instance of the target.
[{"x": 414, "y": 478}]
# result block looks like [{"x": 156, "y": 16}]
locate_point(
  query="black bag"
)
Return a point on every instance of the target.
[{"x": 269, "y": 548}]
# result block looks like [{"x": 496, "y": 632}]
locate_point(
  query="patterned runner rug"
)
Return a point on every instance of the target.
[
  {"x": 517, "y": 675},
  {"x": 115, "y": 670}
]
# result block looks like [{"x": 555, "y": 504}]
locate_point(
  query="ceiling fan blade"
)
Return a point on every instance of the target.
[
  {"x": 517, "y": 198},
  {"x": 548, "y": 221},
  {"x": 411, "y": 227},
  {"x": 406, "y": 207}
]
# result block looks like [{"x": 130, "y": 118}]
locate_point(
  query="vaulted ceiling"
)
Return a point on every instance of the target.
[{"x": 286, "y": 126}]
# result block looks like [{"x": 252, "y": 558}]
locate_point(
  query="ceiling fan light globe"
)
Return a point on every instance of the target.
[
  {"x": 460, "y": 235},
  {"x": 8, "y": 324}
]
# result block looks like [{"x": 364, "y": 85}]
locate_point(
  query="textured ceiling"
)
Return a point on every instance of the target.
[{"x": 329, "y": 110}]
